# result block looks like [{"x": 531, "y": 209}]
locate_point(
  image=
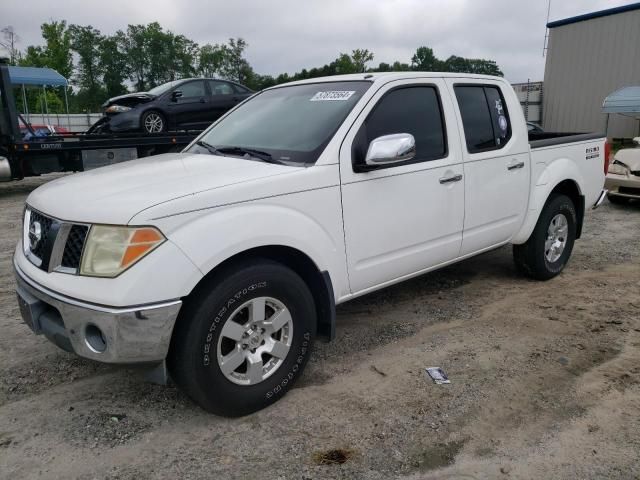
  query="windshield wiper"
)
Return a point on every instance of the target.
[
  {"x": 264, "y": 156},
  {"x": 210, "y": 148}
]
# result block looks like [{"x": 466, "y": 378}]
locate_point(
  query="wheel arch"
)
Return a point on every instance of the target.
[
  {"x": 319, "y": 282},
  {"x": 571, "y": 189},
  {"x": 561, "y": 176}
]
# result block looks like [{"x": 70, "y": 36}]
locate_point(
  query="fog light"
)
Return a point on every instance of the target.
[{"x": 95, "y": 339}]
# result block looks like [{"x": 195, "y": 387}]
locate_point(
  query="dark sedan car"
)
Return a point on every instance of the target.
[{"x": 188, "y": 104}]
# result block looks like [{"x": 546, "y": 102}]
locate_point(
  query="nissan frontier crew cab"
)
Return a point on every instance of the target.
[{"x": 223, "y": 262}]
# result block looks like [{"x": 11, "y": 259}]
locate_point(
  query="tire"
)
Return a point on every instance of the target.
[
  {"x": 223, "y": 307},
  {"x": 153, "y": 122},
  {"x": 618, "y": 200},
  {"x": 546, "y": 254}
]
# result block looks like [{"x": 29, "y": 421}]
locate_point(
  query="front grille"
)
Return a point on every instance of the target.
[
  {"x": 52, "y": 244},
  {"x": 73, "y": 248},
  {"x": 44, "y": 222}
]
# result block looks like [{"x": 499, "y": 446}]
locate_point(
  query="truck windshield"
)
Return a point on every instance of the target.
[{"x": 291, "y": 124}]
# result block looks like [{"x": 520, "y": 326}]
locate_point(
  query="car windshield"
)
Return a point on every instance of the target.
[
  {"x": 292, "y": 124},
  {"x": 160, "y": 89}
]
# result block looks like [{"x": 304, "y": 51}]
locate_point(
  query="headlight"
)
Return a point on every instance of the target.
[
  {"x": 117, "y": 109},
  {"x": 109, "y": 250},
  {"x": 618, "y": 168}
]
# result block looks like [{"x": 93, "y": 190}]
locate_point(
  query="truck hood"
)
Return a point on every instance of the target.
[
  {"x": 115, "y": 194},
  {"x": 129, "y": 100}
]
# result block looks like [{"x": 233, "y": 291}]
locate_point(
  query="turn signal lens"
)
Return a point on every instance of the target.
[{"x": 111, "y": 250}]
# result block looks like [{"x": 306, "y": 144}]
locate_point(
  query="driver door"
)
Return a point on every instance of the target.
[
  {"x": 191, "y": 110},
  {"x": 402, "y": 219}
]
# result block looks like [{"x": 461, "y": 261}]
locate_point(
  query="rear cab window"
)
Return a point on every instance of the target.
[{"x": 484, "y": 117}]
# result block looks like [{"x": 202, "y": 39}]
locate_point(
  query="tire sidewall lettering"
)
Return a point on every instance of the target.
[{"x": 221, "y": 317}]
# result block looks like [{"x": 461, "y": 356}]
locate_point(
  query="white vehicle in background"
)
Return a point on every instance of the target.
[
  {"x": 623, "y": 178},
  {"x": 225, "y": 261}
]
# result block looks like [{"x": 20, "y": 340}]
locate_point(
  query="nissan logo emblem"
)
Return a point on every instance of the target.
[{"x": 35, "y": 235}]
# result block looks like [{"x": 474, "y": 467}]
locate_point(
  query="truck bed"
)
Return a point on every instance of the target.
[{"x": 547, "y": 139}]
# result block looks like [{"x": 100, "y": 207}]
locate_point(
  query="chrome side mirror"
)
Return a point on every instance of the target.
[{"x": 387, "y": 149}]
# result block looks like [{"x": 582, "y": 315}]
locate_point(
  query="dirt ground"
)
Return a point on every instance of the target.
[{"x": 545, "y": 383}]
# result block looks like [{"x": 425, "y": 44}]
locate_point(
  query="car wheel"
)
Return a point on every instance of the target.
[
  {"x": 243, "y": 338},
  {"x": 153, "y": 122},
  {"x": 549, "y": 247},
  {"x": 617, "y": 199}
]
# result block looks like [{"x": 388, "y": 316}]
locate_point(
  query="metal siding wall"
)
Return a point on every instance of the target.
[{"x": 586, "y": 61}]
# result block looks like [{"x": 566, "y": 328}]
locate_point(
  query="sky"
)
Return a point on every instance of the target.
[{"x": 289, "y": 35}]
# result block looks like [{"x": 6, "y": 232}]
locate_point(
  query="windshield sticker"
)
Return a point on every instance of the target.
[{"x": 333, "y": 95}]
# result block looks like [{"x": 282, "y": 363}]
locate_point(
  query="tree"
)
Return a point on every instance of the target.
[
  {"x": 132, "y": 44},
  {"x": 9, "y": 42},
  {"x": 484, "y": 67},
  {"x": 360, "y": 58},
  {"x": 234, "y": 66},
  {"x": 86, "y": 42},
  {"x": 57, "y": 49},
  {"x": 113, "y": 64},
  {"x": 424, "y": 60},
  {"x": 210, "y": 60}
]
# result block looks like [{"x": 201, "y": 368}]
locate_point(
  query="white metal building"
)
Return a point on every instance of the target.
[{"x": 589, "y": 57}]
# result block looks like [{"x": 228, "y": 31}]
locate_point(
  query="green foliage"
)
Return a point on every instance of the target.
[{"x": 87, "y": 42}]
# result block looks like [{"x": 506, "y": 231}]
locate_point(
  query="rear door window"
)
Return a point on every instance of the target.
[
  {"x": 484, "y": 117},
  {"x": 220, "y": 88}
]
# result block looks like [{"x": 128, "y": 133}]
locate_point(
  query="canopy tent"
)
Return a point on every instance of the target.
[
  {"x": 36, "y": 76},
  {"x": 39, "y": 77},
  {"x": 625, "y": 100}
]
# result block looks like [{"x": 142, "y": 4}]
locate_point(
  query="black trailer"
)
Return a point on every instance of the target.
[{"x": 70, "y": 152}]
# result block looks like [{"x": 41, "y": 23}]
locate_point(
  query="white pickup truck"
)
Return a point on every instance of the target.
[{"x": 222, "y": 263}]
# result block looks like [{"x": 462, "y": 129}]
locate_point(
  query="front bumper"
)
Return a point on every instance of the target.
[
  {"x": 112, "y": 335},
  {"x": 124, "y": 121},
  {"x": 623, "y": 185}
]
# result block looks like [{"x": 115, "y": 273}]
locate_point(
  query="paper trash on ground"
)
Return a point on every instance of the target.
[{"x": 438, "y": 375}]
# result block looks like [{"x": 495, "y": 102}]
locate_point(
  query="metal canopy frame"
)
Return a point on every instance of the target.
[{"x": 39, "y": 77}]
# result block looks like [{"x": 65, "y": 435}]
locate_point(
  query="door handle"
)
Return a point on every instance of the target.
[
  {"x": 452, "y": 178},
  {"x": 515, "y": 165}
]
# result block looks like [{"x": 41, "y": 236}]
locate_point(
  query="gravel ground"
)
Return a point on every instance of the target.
[{"x": 545, "y": 383}]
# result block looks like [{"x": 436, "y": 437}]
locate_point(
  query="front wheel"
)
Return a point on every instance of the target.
[
  {"x": 153, "y": 122},
  {"x": 549, "y": 247},
  {"x": 243, "y": 339}
]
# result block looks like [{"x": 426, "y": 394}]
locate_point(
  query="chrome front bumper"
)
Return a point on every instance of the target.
[{"x": 106, "y": 334}]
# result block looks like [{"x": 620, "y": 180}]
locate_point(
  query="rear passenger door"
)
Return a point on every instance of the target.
[
  {"x": 402, "y": 218},
  {"x": 496, "y": 163}
]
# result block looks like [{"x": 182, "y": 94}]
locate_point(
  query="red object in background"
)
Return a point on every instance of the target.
[{"x": 607, "y": 154}]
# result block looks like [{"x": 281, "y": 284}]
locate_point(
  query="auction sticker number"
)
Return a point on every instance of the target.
[{"x": 333, "y": 95}]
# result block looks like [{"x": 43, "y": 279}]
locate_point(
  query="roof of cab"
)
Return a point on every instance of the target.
[{"x": 384, "y": 77}]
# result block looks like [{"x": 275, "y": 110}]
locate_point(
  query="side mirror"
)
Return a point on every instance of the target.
[
  {"x": 387, "y": 149},
  {"x": 175, "y": 95}
]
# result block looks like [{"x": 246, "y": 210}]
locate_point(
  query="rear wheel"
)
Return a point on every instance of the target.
[
  {"x": 549, "y": 247},
  {"x": 153, "y": 122},
  {"x": 241, "y": 344}
]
